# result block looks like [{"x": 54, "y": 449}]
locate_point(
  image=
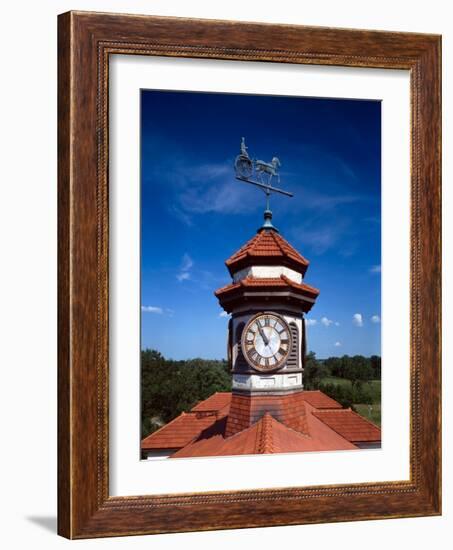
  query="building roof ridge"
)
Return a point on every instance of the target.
[
  {"x": 295, "y": 284},
  {"x": 277, "y": 238},
  {"x": 243, "y": 249},
  {"x": 264, "y": 440},
  {"x": 283, "y": 244},
  {"x": 271, "y": 420}
]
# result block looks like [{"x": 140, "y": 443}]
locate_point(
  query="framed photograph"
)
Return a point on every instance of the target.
[{"x": 249, "y": 275}]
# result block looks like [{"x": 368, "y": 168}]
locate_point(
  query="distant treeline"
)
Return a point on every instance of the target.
[
  {"x": 170, "y": 387},
  {"x": 356, "y": 368},
  {"x": 361, "y": 378}
]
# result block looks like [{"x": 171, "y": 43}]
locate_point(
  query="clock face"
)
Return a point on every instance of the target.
[{"x": 266, "y": 341}]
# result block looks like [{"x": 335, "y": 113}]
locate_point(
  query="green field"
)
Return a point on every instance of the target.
[{"x": 364, "y": 411}]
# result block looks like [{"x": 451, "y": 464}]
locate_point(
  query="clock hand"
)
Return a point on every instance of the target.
[{"x": 263, "y": 335}]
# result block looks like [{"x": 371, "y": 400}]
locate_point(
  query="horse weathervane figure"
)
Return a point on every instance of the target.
[{"x": 246, "y": 168}]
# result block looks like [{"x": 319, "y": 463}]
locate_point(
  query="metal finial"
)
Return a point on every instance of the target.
[{"x": 267, "y": 225}]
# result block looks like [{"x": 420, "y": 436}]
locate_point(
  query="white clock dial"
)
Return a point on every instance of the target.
[{"x": 266, "y": 341}]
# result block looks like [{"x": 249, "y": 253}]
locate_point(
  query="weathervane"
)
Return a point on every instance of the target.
[{"x": 255, "y": 171}]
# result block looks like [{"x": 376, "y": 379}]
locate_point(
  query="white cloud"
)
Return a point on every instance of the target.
[
  {"x": 316, "y": 200},
  {"x": 337, "y": 324},
  {"x": 183, "y": 276},
  {"x": 321, "y": 239},
  {"x": 186, "y": 263},
  {"x": 326, "y": 322},
  {"x": 311, "y": 322},
  {"x": 152, "y": 309},
  {"x": 223, "y": 314},
  {"x": 186, "y": 266},
  {"x": 209, "y": 188},
  {"x": 357, "y": 319},
  {"x": 375, "y": 319},
  {"x": 337, "y": 344},
  {"x": 197, "y": 188},
  {"x": 182, "y": 216},
  {"x": 158, "y": 310},
  {"x": 375, "y": 269}
]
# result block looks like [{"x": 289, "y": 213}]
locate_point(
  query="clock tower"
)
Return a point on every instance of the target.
[{"x": 267, "y": 300}]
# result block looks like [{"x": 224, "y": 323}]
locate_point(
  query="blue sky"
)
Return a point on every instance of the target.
[{"x": 195, "y": 214}]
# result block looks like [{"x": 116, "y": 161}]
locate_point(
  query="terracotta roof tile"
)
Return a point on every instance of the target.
[
  {"x": 266, "y": 436},
  {"x": 265, "y": 246},
  {"x": 349, "y": 425},
  {"x": 265, "y": 283},
  {"x": 180, "y": 431},
  {"x": 320, "y": 400},
  {"x": 216, "y": 402}
]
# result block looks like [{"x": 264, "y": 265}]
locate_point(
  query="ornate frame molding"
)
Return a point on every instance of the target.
[{"x": 86, "y": 40}]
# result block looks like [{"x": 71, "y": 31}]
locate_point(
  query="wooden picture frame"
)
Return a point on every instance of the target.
[{"x": 85, "y": 41}]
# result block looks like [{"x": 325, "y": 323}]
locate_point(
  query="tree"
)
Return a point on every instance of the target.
[
  {"x": 170, "y": 387},
  {"x": 345, "y": 363},
  {"x": 333, "y": 366},
  {"x": 312, "y": 371},
  {"x": 358, "y": 370},
  {"x": 375, "y": 361},
  {"x": 341, "y": 393}
]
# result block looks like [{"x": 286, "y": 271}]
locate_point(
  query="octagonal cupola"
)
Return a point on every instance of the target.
[{"x": 267, "y": 268}]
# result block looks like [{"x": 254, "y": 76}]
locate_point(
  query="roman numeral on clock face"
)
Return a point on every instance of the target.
[{"x": 253, "y": 355}]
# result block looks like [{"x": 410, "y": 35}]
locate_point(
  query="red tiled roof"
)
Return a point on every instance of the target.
[
  {"x": 216, "y": 402},
  {"x": 268, "y": 435},
  {"x": 320, "y": 400},
  {"x": 264, "y": 248},
  {"x": 226, "y": 424},
  {"x": 265, "y": 283},
  {"x": 349, "y": 425},
  {"x": 180, "y": 431}
]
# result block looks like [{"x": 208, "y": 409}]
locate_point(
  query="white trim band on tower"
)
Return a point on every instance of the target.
[
  {"x": 267, "y": 272},
  {"x": 274, "y": 381}
]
